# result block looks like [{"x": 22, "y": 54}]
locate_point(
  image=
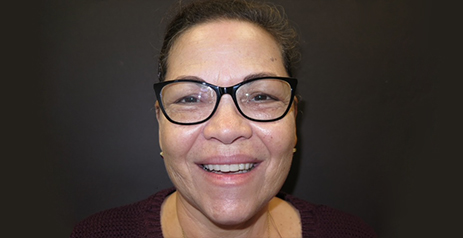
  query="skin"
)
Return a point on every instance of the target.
[{"x": 225, "y": 53}]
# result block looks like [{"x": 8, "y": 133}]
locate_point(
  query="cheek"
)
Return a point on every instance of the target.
[
  {"x": 280, "y": 138},
  {"x": 176, "y": 140}
]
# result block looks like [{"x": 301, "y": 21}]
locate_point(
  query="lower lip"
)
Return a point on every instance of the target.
[{"x": 229, "y": 179}]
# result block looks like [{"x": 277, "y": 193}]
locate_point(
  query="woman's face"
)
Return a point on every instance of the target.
[{"x": 225, "y": 53}]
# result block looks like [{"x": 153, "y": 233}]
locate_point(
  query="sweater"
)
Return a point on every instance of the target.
[{"x": 143, "y": 219}]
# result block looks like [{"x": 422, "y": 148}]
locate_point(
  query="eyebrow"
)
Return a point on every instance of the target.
[
  {"x": 248, "y": 77},
  {"x": 258, "y": 75},
  {"x": 189, "y": 77}
]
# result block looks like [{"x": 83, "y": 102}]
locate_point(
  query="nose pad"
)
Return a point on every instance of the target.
[{"x": 227, "y": 124}]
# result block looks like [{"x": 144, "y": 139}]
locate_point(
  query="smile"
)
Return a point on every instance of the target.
[{"x": 228, "y": 168}]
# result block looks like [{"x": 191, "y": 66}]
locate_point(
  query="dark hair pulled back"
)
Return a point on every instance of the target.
[{"x": 268, "y": 16}]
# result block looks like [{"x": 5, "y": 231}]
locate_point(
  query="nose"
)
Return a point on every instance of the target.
[{"x": 227, "y": 124}]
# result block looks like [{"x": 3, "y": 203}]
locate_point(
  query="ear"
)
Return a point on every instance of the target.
[
  {"x": 295, "y": 102},
  {"x": 158, "y": 110},
  {"x": 158, "y": 116}
]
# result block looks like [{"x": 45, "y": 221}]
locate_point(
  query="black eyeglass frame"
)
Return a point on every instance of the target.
[{"x": 222, "y": 91}]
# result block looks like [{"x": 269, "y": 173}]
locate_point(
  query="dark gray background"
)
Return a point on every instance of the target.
[{"x": 366, "y": 129}]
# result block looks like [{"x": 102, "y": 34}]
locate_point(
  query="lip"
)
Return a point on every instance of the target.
[
  {"x": 233, "y": 159},
  {"x": 228, "y": 179}
]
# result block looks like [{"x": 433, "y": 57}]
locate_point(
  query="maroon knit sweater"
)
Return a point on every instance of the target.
[{"x": 143, "y": 219}]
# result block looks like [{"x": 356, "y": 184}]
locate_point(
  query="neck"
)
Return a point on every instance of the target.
[{"x": 193, "y": 223}]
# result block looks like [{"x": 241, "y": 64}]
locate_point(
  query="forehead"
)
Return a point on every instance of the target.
[{"x": 225, "y": 50}]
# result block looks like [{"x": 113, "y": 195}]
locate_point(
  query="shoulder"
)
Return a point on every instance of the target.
[
  {"x": 336, "y": 223},
  {"x": 324, "y": 221},
  {"x": 124, "y": 221}
]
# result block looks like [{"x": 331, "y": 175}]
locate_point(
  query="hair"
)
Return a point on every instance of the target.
[{"x": 268, "y": 16}]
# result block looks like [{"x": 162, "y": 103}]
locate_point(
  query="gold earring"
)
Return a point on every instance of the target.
[
  {"x": 162, "y": 154},
  {"x": 294, "y": 150}
]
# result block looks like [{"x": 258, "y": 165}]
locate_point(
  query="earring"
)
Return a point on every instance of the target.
[
  {"x": 162, "y": 155},
  {"x": 294, "y": 150}
]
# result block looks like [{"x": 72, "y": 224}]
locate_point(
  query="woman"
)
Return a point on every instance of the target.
[{"x": 226, "y": 111}]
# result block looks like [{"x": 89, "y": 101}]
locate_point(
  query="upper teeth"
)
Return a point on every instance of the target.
[{"x": 228, "y": 167}]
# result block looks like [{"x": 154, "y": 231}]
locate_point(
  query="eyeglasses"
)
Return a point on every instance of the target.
[{"x": 188, "y": 102}]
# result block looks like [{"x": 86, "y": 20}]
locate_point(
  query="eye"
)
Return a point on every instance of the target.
[
  {"x": 189, "y": 99},
  {"x": 262, "y": 97}
]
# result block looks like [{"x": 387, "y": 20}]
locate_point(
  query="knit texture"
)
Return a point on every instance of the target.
[{"x": 143, "y": 219}]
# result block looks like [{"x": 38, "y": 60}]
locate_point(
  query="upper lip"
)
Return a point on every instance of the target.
[{"x": 229, "y": 159}]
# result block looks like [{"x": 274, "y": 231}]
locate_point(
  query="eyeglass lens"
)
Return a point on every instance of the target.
[{"x": 190, "y": 102}]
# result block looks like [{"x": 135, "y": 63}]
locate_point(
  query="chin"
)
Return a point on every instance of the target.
[
  {"x": 233, "y": 217},
  {"x": 234, "y": 212}
]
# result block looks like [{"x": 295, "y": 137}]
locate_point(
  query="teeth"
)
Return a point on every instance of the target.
[
  {"x": 229, "y": 168},
  {"x": 234, "y": 167},
  {"x": 225, "y": 168}
]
